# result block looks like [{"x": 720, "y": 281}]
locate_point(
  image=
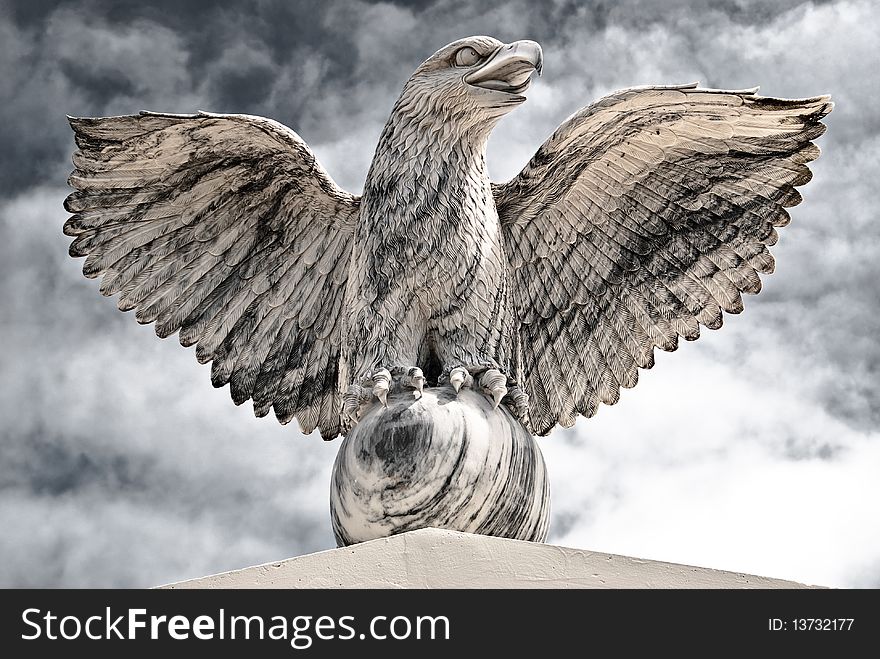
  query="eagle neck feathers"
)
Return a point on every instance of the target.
[{"x": 428, "y": 172}]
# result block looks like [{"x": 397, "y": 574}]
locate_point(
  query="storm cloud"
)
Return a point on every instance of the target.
[{"x": 755, "y": 448}]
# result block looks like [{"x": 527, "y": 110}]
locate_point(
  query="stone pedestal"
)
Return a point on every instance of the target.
[{"x": 432, "y": 558}]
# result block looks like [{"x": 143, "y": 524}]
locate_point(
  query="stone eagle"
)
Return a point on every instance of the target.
[{"x": 644, "y": 216}]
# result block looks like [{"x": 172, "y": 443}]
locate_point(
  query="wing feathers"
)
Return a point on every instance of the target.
[
  {"x": 226, "y": 229},
  {"x": 644, "y": 216}
]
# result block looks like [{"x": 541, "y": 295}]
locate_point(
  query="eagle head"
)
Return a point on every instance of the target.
[{"x": 471, "y": 82}]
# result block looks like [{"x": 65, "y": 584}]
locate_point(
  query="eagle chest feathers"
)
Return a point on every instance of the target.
[{"x": 428, "y": 232}]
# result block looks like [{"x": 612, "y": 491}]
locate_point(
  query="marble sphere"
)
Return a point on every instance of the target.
[{"x": 444, "y": 460}]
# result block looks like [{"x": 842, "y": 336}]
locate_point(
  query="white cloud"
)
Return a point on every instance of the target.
[{"x": 711, "y": 464}]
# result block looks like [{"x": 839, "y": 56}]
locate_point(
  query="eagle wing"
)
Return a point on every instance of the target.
[
  {"x": 642, "y": 217},
  {"x": 226, "y": 228}
]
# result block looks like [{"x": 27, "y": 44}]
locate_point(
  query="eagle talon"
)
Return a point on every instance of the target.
[
  {"x": 352, "y": 401},
  {"x": 460, "y": 377},
  {"x": 519, "y": 404},
  {"x": 381, "y": 385},
  {"x": 494, "y": 382},
  {"x": 416, "y": 379}
]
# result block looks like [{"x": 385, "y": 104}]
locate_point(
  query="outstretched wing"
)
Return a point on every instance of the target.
[
  {"x": 225, "y": 228},
  {"x": 643, "y": 216}
]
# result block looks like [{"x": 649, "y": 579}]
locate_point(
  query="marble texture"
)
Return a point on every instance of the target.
[
  {"x": 446, "y": 460},
  {"x": 644, "y": 217}
]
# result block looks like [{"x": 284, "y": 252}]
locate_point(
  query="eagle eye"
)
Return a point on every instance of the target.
[{"x": 466, "y": 56}]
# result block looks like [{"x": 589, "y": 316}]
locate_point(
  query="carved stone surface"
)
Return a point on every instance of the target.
[
  {"x": 444, "y": 460},
  {"x": 644, "y": 217},
  {"x": 435, "y": 558}
]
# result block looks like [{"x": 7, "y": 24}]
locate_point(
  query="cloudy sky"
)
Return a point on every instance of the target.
[{"x": 755, "y": 449}]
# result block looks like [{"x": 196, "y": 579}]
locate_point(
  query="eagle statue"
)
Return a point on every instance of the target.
[{"x": 644, "y": 216}]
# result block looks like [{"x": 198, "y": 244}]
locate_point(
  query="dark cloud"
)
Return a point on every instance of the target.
[{"x": 120, "y": 466}]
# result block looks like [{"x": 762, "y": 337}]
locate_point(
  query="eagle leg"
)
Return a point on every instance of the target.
[
  {"x": 377, "y": 384},
  {"x": 353, "y": 401},
  {"x": 496, "y": 384},
  {"x": 507, "y": 390},
  {"x": 518, "y": 403}
]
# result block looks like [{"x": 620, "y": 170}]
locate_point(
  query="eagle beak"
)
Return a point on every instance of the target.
[{"x": 510, "y": 68}]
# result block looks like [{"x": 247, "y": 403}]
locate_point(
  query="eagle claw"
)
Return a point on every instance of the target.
[
  {"x": 494, "y": 382},
  {"x": 381, "y": 385},
  {"x": 414, "y": 378},
  {"x": 460, "y": 377},
  {"x": 352, "y": 400}
]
